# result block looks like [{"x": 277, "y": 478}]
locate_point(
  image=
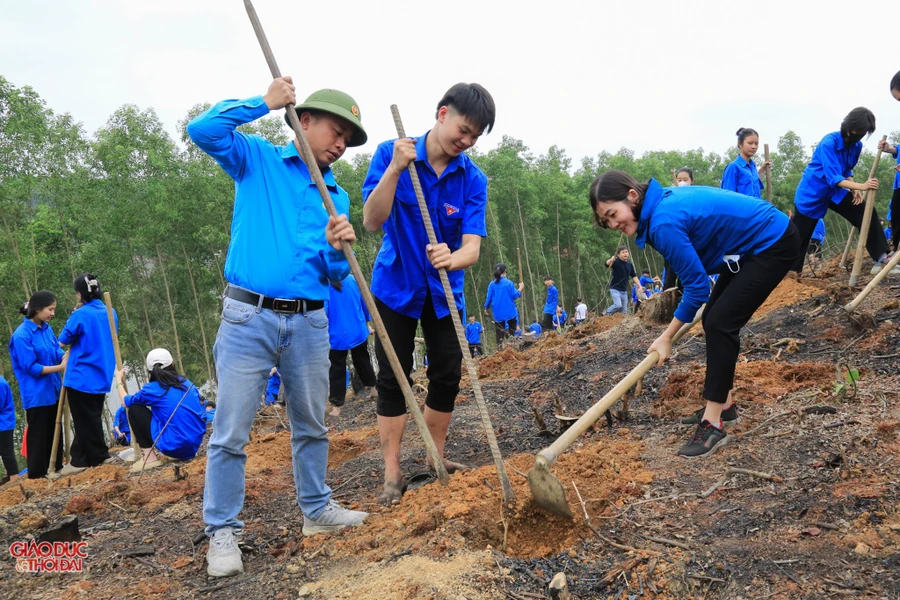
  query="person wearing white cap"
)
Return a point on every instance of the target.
[{"x": 166, "y": 412}]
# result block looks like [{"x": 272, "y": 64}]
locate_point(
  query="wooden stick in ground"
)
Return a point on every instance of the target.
[
  {"x": 56, "y": 431},
  {"x": 885, "y": 270},
  {"x": 67, "y": 433},
  {"x": 508, "y": 496},
  {"x": 107, "y": 299},
  {"x": 306, "y": 154},
  {"x": 846, "y": 253},
  {"x": 522, "y": 322},
  {"x": 866, "y": 222},
  {"x": 768, "y": 178}
]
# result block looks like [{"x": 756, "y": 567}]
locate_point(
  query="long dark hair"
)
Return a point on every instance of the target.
[
  {"x": 499, "y": 270},
  {"x": 87, "y": 285},
  {"x": 743, "y": 133},
  {"x": 167, "y": 377},
  {"x": 38, "y": 302},
  {"x": 613, "y": 186}
]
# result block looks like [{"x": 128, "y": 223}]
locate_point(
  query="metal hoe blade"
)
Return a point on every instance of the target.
[{"x": 547, "y": 491}]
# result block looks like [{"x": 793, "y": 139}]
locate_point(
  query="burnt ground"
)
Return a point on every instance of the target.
[{"x": 817, "y": 517}]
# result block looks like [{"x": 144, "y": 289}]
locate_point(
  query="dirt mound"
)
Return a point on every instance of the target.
[
  {"x": 759, "y": 382},
  {"x": 787, "y": 293},
  {"x": 595, "y": 326},
  {"x": 436, "y": 519},
  {"x": 506, "y": 364},
  {"x": 350, "y": 444}
]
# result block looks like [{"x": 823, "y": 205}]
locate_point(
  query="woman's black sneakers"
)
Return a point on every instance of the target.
[
  {"x": 704, "y": 441},
  {"x": 729, "y": 416}
]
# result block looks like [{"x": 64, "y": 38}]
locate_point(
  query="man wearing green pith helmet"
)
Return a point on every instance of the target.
[{"x": 284, "y": 251}]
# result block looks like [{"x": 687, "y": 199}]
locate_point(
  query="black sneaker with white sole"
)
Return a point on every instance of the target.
[
  {"x": 705, "y": 441},
  {"x": 729, "y": 416}
]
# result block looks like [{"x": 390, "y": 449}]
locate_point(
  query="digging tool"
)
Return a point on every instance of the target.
[
  {"x": 885, "y": 270},
  {"x": 508, "y": 497},
  {"x": 546, "y": 489},
  {"x": 51, "y": 470},
  {"x": 674, "y": 178},
  {"x": 846, "y": 253},
  {"x": 306, "y": 153},
  {"x": 768, "y": 178},
  {"x": 521, "y": 280},
  {"x": 107, "y": 299},
  {"x": 866, "y": 222}
]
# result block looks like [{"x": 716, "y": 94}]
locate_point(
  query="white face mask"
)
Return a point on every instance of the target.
[{"x": 684, "y": 183}]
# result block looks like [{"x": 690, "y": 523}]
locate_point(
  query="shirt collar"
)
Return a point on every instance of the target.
[
  {"x": 740, "y": 159},
  {"x": 31, "y": 326},
  {"x": 289, "y": 151},
  {"x": 422, "y": 156},
  {"x": 652, "y": 197}
]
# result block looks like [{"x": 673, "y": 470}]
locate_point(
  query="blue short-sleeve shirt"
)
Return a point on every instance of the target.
[
  {"x": 831, "y": 164},
  {"x": 742, "y": 177},
  {"x": 402, "y": 276},
  {"x": 31, "y": 348}
]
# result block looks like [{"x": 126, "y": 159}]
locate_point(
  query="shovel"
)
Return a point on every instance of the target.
[{"x": 546, "y": 489}]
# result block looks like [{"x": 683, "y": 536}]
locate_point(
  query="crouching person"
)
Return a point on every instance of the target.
[{"x": 167, "y": 411}]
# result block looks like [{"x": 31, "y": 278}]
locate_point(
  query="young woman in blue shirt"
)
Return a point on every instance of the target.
[
  {"x": 700, "y": 231},
  {"x": 741, "y": 174},
  {"x": 89, "y": 373},
  {"x": 827, "y": 184},
  {"x": 501, "y": 298},
  {"x": 37, "y": 361}
]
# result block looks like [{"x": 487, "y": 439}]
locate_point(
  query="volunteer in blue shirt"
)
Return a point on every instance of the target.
[
  {"x": 121, "y": 430},
  {"x": 473, "y": 336},
  {"x": 501, "y": 299},
  {"x": 273, "y": 387},
  {"x": 284, "y": 249},
  {"x": 166, "y": 411},
  {"x": 702, "y": 230},
  {"x": 88, "y": 374},
  {"x": 550, "y": 304},
  {"x": 895, "y": 197},
  {"x": 817, "y": 240},
  {"x": 37, "y": 361},
  {"x": 405, "y": 279},
  {"x": 535, "y": 329},
  {"x": 7, "y": 427},
  {"x": 560, "y": 318},
  {"x": 828, "y": 180},
  {"x": 741, "y": 174},
  {"x": 348, "y": 332}
]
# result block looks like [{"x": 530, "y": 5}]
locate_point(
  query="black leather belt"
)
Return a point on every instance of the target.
[{"x": 280, "y": 305}]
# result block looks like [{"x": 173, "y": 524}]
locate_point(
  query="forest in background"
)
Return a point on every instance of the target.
[{"x": 151, "y": 215}]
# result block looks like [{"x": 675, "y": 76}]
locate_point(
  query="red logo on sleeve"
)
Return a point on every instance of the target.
[{"x": 451, "y": 210}]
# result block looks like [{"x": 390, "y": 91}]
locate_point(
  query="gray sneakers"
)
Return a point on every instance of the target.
[
  {"x": 880, "y": 265},
  {"x": 223, "y": 557},
  {"x": 333, "y": 518}
]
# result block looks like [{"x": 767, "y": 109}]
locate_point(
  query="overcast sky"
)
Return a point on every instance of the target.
[{"x": 587, "y": 76}]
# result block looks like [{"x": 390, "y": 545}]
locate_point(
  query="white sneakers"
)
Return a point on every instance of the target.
[
  {"x": 223, "y": 557},
  {"x": 334, "y": 518}
]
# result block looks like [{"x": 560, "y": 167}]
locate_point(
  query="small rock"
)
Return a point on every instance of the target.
[
  {"x": 33, "y": 521},
  {"x": 293, "y": 568},
  {"x": 305, "y": 592},
  {"x": 862, "y": 548},
  {"x": 572, "y": 554}
]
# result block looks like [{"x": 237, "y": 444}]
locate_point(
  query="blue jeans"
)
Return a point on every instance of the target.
[
  {"x": 620, "y": 302},
  {"x": 249, "y": 343}
]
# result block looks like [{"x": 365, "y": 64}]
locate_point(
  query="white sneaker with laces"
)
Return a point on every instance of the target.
[
  {"x": 334, "y": 518},
  {"x": 223, "y": 557}
]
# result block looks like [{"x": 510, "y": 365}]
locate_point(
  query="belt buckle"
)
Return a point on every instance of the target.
[{"x": 282, "y": 305}]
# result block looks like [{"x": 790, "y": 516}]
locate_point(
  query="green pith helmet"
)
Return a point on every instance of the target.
[{"x": 336, "y": 103}]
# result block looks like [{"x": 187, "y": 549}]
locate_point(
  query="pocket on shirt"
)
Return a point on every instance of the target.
[
  {"x": 237, "y": 313},
  {"x": 317, "y": 318}
]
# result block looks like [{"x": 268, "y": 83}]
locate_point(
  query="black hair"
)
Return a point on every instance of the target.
[
  {"x": 687, "y": 170},
  {"x": 895, "y": 81},
  {"x": 647, "y": 271},
  {"x": 613, "y": 186},
  {"x": 578, "y": 299},
  {"x": 167, "y": 377},
  {"x": 87, "y": 285},
  {"x": 499, "y": 270},
  {"x": 210, "y": 404},
  {"x": 38, "y": 302},
  {"x": 473, "y": 102},
  {"x": 742, "y": 134},
  {"x": 860, "y": 118},
  {"x": 547, "y": 277},
  {"x": 620, "y": 248}
]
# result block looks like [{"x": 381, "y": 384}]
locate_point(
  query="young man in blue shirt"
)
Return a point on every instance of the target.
[
  {"x": 405, "y": 279},
  {"x": 348, "y": 331},
  {"x": 550, "y": 304},
  {"x": 273, "y": 387},
  {"x": 473, "y": 336},
  {"x": 284, "y": 250}
]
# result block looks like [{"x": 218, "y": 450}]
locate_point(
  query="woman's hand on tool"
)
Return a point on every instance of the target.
[
  {"x": 280, "y": 93},
  {"x": 663, "y": 346},
  {"x": 404, "y": 153},
  {"x": 440, "y": 256},
  {"x": 339, "y": 230}
]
